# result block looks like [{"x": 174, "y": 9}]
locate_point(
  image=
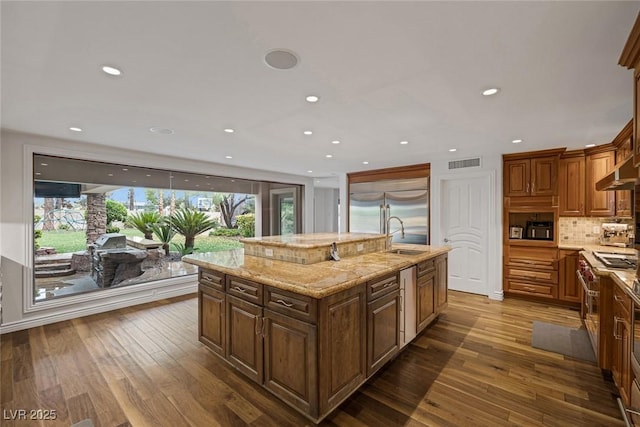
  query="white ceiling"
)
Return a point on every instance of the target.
[{"x": 385, "y": 72}]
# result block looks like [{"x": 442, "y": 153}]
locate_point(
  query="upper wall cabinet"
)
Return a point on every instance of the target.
[
  {"x": 630, "y": 58},
  {"x": 531, "y": 176},
  {"x": 571, "y": 184},
  {"x": 600, "y": 203}
]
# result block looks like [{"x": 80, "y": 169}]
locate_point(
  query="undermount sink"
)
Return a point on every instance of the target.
[{"x": 405, "y": 251}]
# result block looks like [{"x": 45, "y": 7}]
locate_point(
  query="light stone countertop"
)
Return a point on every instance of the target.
[
  {"x": 312, "y": 240},
  {"x": 568, "y": 245},
  {"x": 315, "y": 280}
]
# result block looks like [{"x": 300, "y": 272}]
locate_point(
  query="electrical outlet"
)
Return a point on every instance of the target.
[
  {"x": 596, "y": 229},
  {"x": 359, "y": 247},
  {"x": 268, "y": 252}
]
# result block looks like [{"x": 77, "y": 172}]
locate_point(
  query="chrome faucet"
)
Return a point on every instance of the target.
[{"x": 389, "y": 237}]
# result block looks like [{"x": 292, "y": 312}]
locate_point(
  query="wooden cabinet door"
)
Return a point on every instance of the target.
[
  {"x": 290, "y": 363},
  {"x": 571, "y": 186},
  {"x": 441, "y": 284},
  {"x": 517, "y": 178},
  {"x": 425, "y": 303},
  {"x": 342, "y": 346},
  {"x": 569, "y": 287},
  {"x": 599, "y": 203},
  {"x": 636, "y": 117},
  {"x": 211, "y": 318},
  {"x": 621, "y": 361},
  {"x": 544, "y": 172},
  {"x": 623, "y": 197},
  {"x": 383, "y": 330},
  {"x": 244, "y": 337}
]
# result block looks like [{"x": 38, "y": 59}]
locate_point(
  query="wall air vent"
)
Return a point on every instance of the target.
[{"x": 465, "y": 163}]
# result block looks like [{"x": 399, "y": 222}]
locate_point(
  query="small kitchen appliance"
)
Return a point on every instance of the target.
[
  {"x": 614, "y": 234},
  {"x": 540, "y": 230}
]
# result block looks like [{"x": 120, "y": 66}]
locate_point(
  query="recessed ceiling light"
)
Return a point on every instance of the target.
[
  {"x": 490, "y": 91},
  {"x": 516, "y": 141},
  {"x": 38, "y": 173},
  {"x": 335, "y": 141},
  {"x": 365, "y": 163},
  {"x": 453, "y": 149},
  {"x": 197, "y": 185},
  {"x": 186, "y": 180},
  {"x": 308, "y": 132},
  {"x": 281, "y": 59},
  {"x": 328, "y": 156},
  {"x": 75, "y": 129},
  {"x": 111, "y": 70},
  {"x": 228, "y": 157},
  {"x": 229, "y": 130},
  {"x": 148, "y": 175},
  {"x": 309, "y": 171},
  {"x": 110, "y": 174},
  {"x": 134, "y": 181},
  {"x": 44, "y": 164},
  {"x": 312, "y": 98},
  {"x": 162, "y": 131},
  {"x": 404, "y": 142},
  {"x": 125, "y": 169},
  {"x": 590, "y": 145}
]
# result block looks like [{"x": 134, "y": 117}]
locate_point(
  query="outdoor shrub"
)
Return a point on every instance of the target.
[
  {"x": 116, "y": 211},
  {"x": 36, "y": 219},
  {"x": 184, "y": 250},
  {"x": 225, "y": 232},
  {"x": 113, "y": 229},
  {"x": 36, "y": 235},
  {"x": 246, "y": 225},
  {"x": 164, "y": 233},
  {"x": 190, "y": 223},
  {"x": 142, "y": 221},
  {"x": 64, "y": 227}
]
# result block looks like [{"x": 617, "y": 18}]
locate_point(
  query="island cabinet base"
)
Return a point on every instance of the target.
[{"x": 311, "y": 353}]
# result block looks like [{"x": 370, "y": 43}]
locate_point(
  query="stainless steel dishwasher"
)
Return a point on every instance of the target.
[{"x": 407, "y": 305}]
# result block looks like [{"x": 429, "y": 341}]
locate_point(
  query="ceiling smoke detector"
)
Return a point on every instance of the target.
[
  {"x": 162, "y": 131},
  {"x": 281, "y": 59}
]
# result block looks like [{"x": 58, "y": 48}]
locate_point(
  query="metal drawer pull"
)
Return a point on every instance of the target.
[
  {"x": 618, "y": 298},
  {"x": 239, "y": 289},
  {"x": 386, "y": 285},
  {"x": 286, "y": 304}
]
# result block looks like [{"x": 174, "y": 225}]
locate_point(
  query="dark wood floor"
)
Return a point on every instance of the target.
[{"x": 143, "y": 366}]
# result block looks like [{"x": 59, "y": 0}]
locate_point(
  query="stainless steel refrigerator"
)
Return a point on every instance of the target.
[{"x": 372, "y": 203}]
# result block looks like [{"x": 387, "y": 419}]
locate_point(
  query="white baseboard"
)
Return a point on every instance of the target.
[{"x": 497, "y": 295}]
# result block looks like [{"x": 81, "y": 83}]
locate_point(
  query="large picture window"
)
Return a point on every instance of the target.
[{"x": 102, "y": 225}]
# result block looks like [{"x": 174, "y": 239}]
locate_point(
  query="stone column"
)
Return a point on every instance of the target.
[{"x": 96, "y": 216}]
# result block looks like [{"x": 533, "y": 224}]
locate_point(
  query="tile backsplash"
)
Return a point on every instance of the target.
[{"x": 581, "y": 229}]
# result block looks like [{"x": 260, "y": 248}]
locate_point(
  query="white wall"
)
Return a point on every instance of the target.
[
  {"x": 326, "y": 210},
  {"x": 16, "y": 241}
]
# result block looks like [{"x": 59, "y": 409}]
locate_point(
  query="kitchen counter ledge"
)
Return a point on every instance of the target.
[{"x": 315, "y": 280}]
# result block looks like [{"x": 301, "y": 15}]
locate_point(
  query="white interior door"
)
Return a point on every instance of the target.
[{"x": 464, "y": 222}]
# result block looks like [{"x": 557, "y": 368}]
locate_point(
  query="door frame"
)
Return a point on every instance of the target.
[
  {"x": 274, "y": 197},
  {"x": 494, "y": 232}
]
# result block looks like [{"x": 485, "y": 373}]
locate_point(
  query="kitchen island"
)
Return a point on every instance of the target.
[{"x": 312, "y": 334}]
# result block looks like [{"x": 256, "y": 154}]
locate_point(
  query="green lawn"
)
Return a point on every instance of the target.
[{"x": 74, "y": 241}]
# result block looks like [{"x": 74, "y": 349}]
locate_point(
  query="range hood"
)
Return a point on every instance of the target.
[{"x": 623, "y": 177}]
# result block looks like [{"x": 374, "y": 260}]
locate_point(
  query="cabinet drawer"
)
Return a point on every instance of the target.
[
  {"x": 244, "y": 289},
  {"x": 211, "y": 278},
  {"x": 535, "y": 258},
  {"x": 533, "y": 289},
  {"x": 622, "y": 301},
  {"x": 297, "y": 306},
  {"x": 533, "y": 263},
  {"x": 425, "y": 267},
  {"x": 525, "y": 273},
  {"x": 382, "y": 286}
]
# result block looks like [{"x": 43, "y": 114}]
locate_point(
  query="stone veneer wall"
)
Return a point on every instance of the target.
[
  {"x": 313, "y": 255},
  {"x": 96, "y": 216},
  {"x": 581, "y": 229}
]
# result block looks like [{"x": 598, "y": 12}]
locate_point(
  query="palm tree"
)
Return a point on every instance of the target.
[
  {"x": 190, "y": 223},
  {"x": 164, "y": 233},
  {"x": 143, "y": 221}
]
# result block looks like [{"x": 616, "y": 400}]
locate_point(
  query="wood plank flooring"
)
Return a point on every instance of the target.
[{"x": 143, "y": 366}]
